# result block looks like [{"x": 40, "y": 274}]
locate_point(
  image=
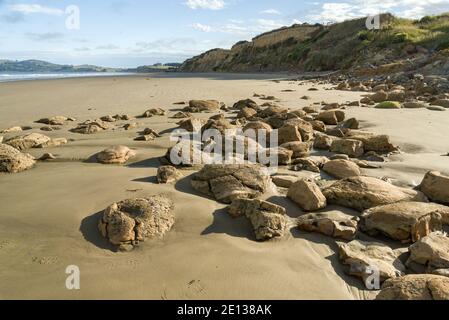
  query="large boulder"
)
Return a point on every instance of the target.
[
  {"x": 300, "y": 149},
  {"x": 372, "y": 142},
  {"x": 334, "y": 224},
  {"x": 115, "y": 155},
  {"x": 305, "y": 128},
  {"x": 322, "y": 141},
  {"x": 192, "y": 125},
  {"x": 362, "y": 193},
  {"x": 289, "y": 133},
  {"x": 431, "y": 252},
  {"x": 350, "y": 147},
  {"x": 128, "y": 222},
  {"x": 247, "y": 103},
  {"x": 307, "y": 195},
  {"x": 404, "y": 221},
  {"x": 13, "y": 161},
  {"x": 341, "y": 169},
  {"x": 331, "y": 117},
  {"x": 416, "y": 287},
  {"x": 202, "y": 106},
  {"x": 32, "y": 140},
  {"x": 364, "y": 258},
  {"x": 268, "y": 220},
  {"x": 229, "y": 182},
  {"x": 435, "y": 185}
]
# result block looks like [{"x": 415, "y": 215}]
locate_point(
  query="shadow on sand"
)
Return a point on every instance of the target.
[
  {"x": 90, "y": 232},
  {"x": 235, "y": 227}
]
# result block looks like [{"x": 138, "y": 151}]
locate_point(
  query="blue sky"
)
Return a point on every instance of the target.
[{"x": 127, "y": 33}]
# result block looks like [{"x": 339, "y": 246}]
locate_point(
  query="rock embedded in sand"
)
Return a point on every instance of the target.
[
  {"x": 192, "y": 125},
  {"x": 91, "y": 127},
  {"x": 12, "y": 130},
  {"x": 14, "y": 161},
  {"x": 284, "y": 181},
  {"x": 153, "y": 112},
  {"x": 300, "y": 149},
  {"x": 373, "y": 142},
  {"x": 351, "y": 147},
  {"x": 365, "y": 257},
  {"x": 389, "y": 105},
  {"x": 334, "y": 224},
  {"x": 404, "y": 221},
  {"x": 196, "y": 106},
  {"x": 362, "y": 193},
  {"x": 431, "y": 252},
  {"x": 436, "y": 108},
  {"x": 54, "y": 121},
  {"x": 435, "y": 185},
  {"x": 133, "y": 220},
  {"x": 331, "y": 117},
  {"x": 341, "y": 169},
  {"x": 415, "y": 287},
  {"x": 414, "y": 105},
  {"x": 115, "y": 155},
  {"x": 181, "y": 115},
  {"x": 268, "y": 219},
  {"x": 28, "y": 141},
  {"x": 247, "y": 103},
  {"x": 307, "y": 195},
  {"x": 322, "y": 141},
  {"x": 229, "y": 182},
  {"x": 108, "y": 118},
  {"x": 46, "y": 157},
  {"x": 441, "y": 103},
  {"x": 246, "y": 113},
  {"x": 168, "y": 174}
]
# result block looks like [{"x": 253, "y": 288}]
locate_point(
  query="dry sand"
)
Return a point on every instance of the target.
[{"x": 48, "y": 215}]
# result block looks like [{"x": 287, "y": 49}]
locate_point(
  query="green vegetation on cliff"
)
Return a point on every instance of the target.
[{"x": 338, "y": 46}]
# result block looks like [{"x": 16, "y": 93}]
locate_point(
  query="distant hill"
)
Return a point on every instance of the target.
[
  {"x": 348, "y": 45},
  {"x": 44, "y": 67}
]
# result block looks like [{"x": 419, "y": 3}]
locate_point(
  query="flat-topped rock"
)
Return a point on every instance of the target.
[
  {"x": 362, "y": 193},
  {"x": 115, "y": 155},
  {"x": 364, "y": 257},
  {"x": 431, "y": 252},
  {"x": 404, "y": 221},
  {"x": 229, "y": 182},
  {"x": 196, "y": 106},
  {"x": 28, "y": 141},
  {"x": 341, "y": 169}
]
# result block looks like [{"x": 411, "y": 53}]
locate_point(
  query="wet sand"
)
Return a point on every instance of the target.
[{"x": 49, "y": 214}]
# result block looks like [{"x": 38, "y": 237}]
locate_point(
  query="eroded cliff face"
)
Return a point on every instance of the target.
[{"x": 398, "y": 45}]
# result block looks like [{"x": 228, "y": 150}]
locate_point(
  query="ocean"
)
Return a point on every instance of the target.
[{"x": 16, "y": 76}]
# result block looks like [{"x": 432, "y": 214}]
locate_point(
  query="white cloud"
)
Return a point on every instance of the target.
[
  {"x": 271, "y": 11},
  {"x": 35, "y": 8},
  {"x": 267, "y": 25},
  {"x": 205, "y": 4},
  {"x": 340, "y": 11},
  {"x": 201, "y": 27}
]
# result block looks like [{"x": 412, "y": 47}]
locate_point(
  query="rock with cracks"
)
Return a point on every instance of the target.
[
  {"x": 229, "y": 182},
  {"x": 268, "y": 220},
  {"x": 362, "y": 193},
  {"x": 128, "y": 222}
]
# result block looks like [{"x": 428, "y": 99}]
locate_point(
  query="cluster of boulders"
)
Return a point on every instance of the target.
[{"x": 411, "y": 91}]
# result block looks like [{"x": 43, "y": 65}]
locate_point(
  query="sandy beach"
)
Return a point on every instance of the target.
[{"x": 49, "y": 214}]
